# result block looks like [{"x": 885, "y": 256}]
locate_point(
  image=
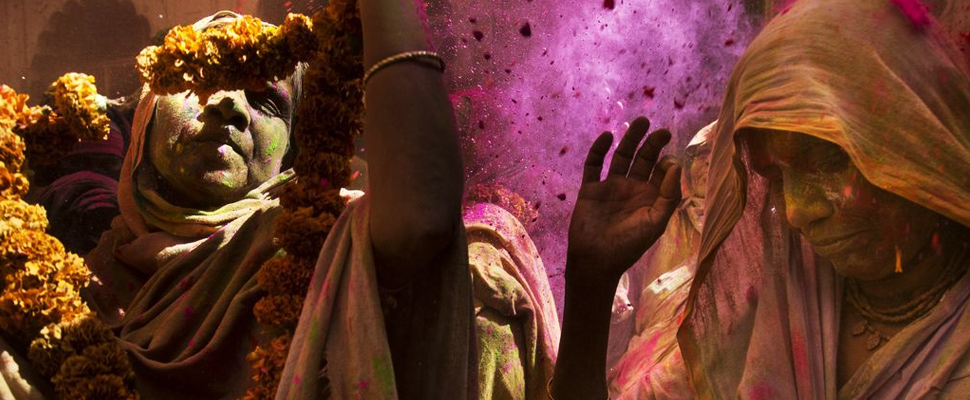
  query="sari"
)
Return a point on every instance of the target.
[{"x": 885, "y": 82}]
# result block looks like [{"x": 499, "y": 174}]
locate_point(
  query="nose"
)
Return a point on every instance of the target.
[
  {"x": 805, "y": 200},
  {"x": 226, "y": 109}
]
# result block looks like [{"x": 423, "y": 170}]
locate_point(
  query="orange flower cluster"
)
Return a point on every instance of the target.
[
  {"x": 84, "y": 361},
  {"x": 40, "y": 300},
  {"x": 77, "y": 100},
  {"x": 329, "y": 118},
  {"x": 242, "y": 54},
  {"x": 267, "y": 367},
  {"x": 14, "y": 113},
  {"x": 50, "y": 134},
  {"x": 100, "y": 372}
]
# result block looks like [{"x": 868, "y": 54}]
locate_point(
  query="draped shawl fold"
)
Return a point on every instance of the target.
[{"x": 891, "y": 89}]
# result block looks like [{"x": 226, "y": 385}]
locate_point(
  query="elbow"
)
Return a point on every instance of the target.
[
  {"x": 430, "y": 236},
  {"x": 413, "y": 249}
]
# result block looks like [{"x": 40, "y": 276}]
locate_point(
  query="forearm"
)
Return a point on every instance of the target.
[
  {"x": 413, "y": 155},
  {"x": 581, "y": 365}
]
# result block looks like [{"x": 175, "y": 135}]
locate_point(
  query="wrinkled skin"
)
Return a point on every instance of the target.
[
  {"x": 895, "y": 249},
  {"x": 214, "y": 154},
  {"x": 848, "y": 220}
]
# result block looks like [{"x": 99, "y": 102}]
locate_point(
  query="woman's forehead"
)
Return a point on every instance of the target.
[{"x": 784, "y": 144}]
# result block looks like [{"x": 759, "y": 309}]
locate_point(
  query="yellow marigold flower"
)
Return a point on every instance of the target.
[
  {"x": 77, "y": 100},
  {"x": 12, "y": 185},
  {"x": 18, "y": 215}
]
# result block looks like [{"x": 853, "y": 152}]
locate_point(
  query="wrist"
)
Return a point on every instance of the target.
[{"x": 590, "y": 276}]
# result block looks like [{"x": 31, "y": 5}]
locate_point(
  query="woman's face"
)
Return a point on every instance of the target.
[
  {"x": 214, "y": 154},
  {"x": 859, "y": 227}
]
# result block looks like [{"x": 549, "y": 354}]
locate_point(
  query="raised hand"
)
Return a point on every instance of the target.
[
  {"x": 618, "y": 218},
  {"x": 614, "y": 222}
]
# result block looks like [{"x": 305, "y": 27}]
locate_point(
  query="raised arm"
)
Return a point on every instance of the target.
[
  {"x": 615, "y": 221},
  {"x": 414, "y": 162}
]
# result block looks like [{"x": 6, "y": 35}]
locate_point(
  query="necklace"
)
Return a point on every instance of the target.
[
  {"x": 912, "y": 309},
  {"x": 875, "y": 339},
  {"x": 903, "y": 314}
]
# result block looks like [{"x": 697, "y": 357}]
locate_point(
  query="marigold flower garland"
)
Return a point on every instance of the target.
[
  {"x": 41, "y": 308},
  {"x": 329, "y": 117},
  {"x": 243, "y": 54}
]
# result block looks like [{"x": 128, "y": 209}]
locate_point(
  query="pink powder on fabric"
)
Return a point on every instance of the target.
[{"x": 917, "y": 12}]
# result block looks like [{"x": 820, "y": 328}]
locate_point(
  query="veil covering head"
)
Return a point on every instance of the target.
[{"x": 884, "y": 81}]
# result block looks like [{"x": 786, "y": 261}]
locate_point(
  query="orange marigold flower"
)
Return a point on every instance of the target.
[
  {"x": 99, "y": 372},
  {"x": 12, "y": 185},
  {"x": 267, "y": 363},
  {"x": 286, "y": 275},
  {"x": 501, "y": 196},
  {"x": 77, "y": 101},
  {"x": 281, "y": 311},
  {"x": 242, "y": 54},
  {"x": 302, "y": 233}
]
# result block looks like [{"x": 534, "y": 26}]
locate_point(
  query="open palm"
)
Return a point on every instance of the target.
[{"x": 618, "y": 218}]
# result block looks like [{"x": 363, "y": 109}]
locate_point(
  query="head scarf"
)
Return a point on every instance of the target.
[{"x": 882, "y": 80}]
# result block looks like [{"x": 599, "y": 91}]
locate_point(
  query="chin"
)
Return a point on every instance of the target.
[{"x": 864, "y": 267}]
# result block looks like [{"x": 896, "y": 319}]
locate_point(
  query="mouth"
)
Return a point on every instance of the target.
[
  {"x": 836, "y": 244},
  {"x": 222, "y": 134}
]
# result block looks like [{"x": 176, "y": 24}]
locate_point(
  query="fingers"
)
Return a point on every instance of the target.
[
  {"x": 594, "y": 159},
  {"x": 648, "y": 154},
  {"x": 669, "y": 190},
  {"x": 661, "y": 170},
  {"x": 624, "y": 153}
]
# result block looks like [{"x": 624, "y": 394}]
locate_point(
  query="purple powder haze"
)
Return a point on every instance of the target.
[{"x": 530, "y": 101}]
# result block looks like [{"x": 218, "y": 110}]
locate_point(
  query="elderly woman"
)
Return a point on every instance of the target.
[
  {"x": 199, "y": 196},
  {"x": 837, "y": 236}
]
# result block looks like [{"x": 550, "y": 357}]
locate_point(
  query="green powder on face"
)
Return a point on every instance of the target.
[{"x": 273, "y": 145}]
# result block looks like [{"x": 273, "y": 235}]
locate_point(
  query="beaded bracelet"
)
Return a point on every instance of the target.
[{"x": 406, "y": 56}]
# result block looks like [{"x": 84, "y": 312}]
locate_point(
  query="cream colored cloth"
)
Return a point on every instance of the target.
[
  {"x": 515, "y": 314},
  {"x": 885, "y": 83}
]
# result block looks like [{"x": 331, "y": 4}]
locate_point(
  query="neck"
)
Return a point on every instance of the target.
[{"x": 936, "y": 261}]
